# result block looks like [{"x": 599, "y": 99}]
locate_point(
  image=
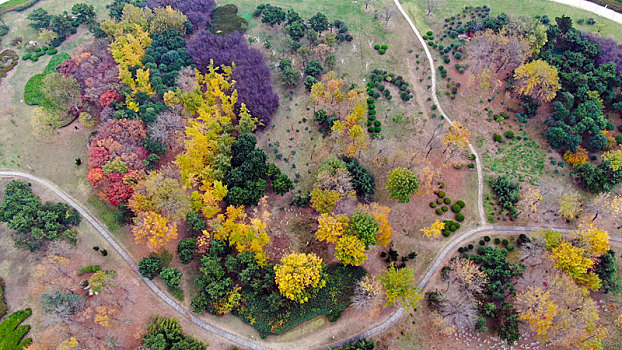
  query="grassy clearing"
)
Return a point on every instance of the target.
[
  {"x": 522, "y": 159},
  {"x": 607, "y": 28}
]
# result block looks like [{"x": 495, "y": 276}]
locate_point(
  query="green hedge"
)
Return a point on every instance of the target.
[
  {"x": 32, "y": 91},
  {"x": 3, "y": 306},
  {"x": 12, "y": 334},
  {"x": 330, "y": 300}
]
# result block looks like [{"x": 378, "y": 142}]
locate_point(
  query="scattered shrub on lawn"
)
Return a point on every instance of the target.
[
  {"x": 447, "y": 200},
  {"x": 433, "y": 204},
  {"x": 456, "y": 208},
  {"x": 445, "y": 208},
  {"x": 439, "y": 211},
  {"x": 441, "y": 194},
  {"x": 460, "y": 217}
]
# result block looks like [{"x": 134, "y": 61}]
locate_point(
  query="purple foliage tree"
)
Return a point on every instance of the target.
[
  {"x": 251, "y": 73},
  {"x": 610, "y": 51},
  {"x": 197, "y": 11}
]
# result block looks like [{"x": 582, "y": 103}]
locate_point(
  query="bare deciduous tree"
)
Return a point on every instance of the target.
[{"x": 432, "y": 5}]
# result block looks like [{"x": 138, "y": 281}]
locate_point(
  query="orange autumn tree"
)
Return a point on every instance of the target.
[
  {"x": 381, "y": 214},
  {"x": 153, "y": 228},
  {"x": 576, "y": 158}
]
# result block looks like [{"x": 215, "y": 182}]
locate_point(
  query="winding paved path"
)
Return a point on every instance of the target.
[{"x": 449, "y": 247}]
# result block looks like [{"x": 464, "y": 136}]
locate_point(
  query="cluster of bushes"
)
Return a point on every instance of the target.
[
  {"x": 441, "y": 206},
  {"x": 273, "y": 314},
  {"x": 227, "y": 279},
  {"x": 507, "y": 192},
  {"x": 225, "y": 20},
  {"x": 379, "y": 77},
  {"x": 296, "y": 27},
  {"x": 500, "y": 274},
  {"x": 325, "y": 121},
  {"x": 12, "y": 334},
  {"x": 62, "y": 24},
  {"x": 589, "y": 90},
  {"x": 246, "y": 180},
  {"x": 166, "y": 333},
  {"x": 363, "y": 181},
  {"x": 156, "y": 265},
  {"x": 453, "y": 89},
  {"x": 38, "y": 52},
  {"x": 165, "y": 57},
  {"x": 88, "y": 269},
  {"x": 381, "y": 48},
  {"x": 360, "y": 344},
  {"x": 461, "y": 67},
  {"x": 35, "y": 222},
  {"x": 450, "y": 227},
  {"x": 393, "y": 257},
  {"x": 443, "y": 71}
]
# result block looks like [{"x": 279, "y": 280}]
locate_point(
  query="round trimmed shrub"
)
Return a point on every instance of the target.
[
  {"x": 433, "y": 204},
  {"x": 487, "y": 238},
  {"x": 377, "y": 47},
  {"x": 377, "y": 129},
  {"x": 510, "y": 247},
  {"x": 441, "y": 185},
  {"x": 439, "y": 201},
  {"x": 441, "y": 194},
  {"x": 429, "y": 32},
  {"x": 372, "y": 117},
  {"x": 371, "y": 111},
  {"x": 369, "y": 123},
  {"x": 509, "y": 134},
  {"x": 445, "y": 208},
  {"x": 460, "y": 250},
  {"x": 470, "y": 246},
  {"x": 384, "y": 47},
  {"x": 447, "y": 200},
  {"x": 381, "y": 51},
  {"x": 370, "y": 129},
  {"x": 460, "y": 217},
  {"x": 377, "y": 123},
  {"x": 497, "y": 240},
  {"x": 461, "y": 203},
  {"x": 456, "y": 208},
  {"x": 447, "y": 233},
  {"x": 505, "y": 242},
  {"x": 481, "y": 242},
  {"x": 439, "y": 211}
]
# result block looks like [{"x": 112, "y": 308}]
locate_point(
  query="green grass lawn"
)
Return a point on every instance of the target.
[
  {"x": 607, "y": 28},
  {"x": 523, "y": 159}
]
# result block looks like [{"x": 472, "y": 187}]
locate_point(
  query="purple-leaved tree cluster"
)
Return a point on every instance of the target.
[
  {"x": 610, "y": 51},
  {"x": 251, "y": 72},
  {"x": 197, "y": 11}
]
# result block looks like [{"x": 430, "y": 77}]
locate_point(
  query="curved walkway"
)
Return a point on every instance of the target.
[
  {"x": 104, "y": 232},
  {"x": 597, "y": 9},
  {"x": 594, "y": 8}
]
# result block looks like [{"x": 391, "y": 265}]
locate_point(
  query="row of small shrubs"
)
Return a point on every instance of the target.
[
  {"x": 39, "y": 51},
  {"x": 88, "y": 269},
  {"x": 374, "y": 126}
]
